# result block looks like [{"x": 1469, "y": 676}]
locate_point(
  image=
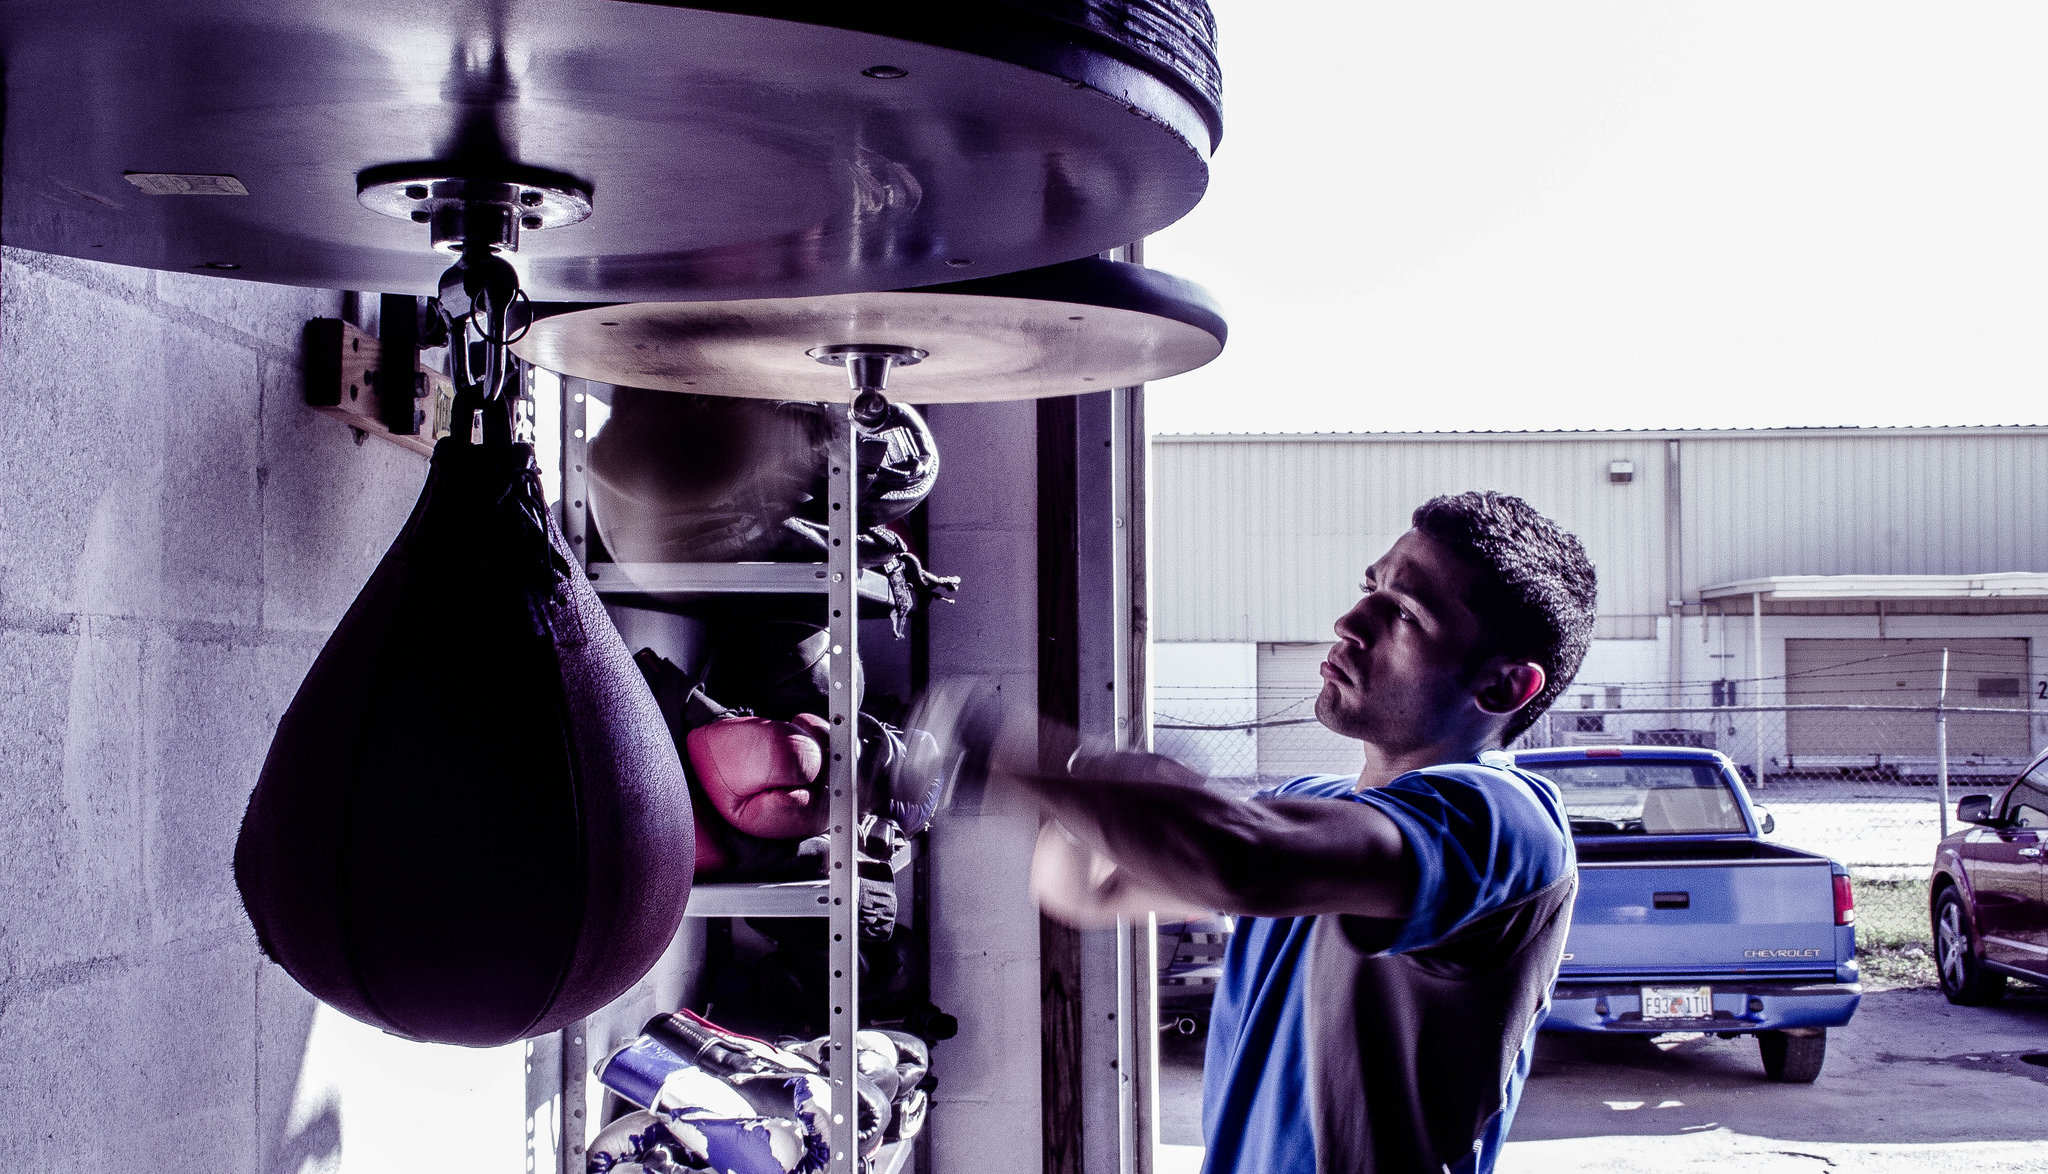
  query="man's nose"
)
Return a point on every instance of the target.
[{"x": 1352, "y": 626}]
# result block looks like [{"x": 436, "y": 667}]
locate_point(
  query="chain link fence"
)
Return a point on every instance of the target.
[{"x": 1861, "y": 783}]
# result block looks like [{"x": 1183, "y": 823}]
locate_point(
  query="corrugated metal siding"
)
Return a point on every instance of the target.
[
  {"x": 1258, "y": 540},
  {"x": 1264, "y": 538},
  {"x": 1863, "y": 504}
]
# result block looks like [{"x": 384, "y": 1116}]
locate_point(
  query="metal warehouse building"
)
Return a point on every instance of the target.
[{"x": 1738, "y": 569}]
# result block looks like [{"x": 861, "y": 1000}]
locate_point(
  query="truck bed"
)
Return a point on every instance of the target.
[
  {"x": 1702, "y": 908},
  {"x": 1658, "y": 850}
]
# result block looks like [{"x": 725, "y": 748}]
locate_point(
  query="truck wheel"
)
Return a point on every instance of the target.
[
  {"x": 1794, "y": 1059},
  {"x": 1963, "y": 977}
]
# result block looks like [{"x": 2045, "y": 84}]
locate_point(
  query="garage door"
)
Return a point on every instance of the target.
[
  {"x": 1982, "y": 674},
  {"x": 1288, "y": 684}
]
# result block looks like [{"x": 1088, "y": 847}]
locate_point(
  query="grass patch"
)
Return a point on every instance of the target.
[{"x": 1893, "y": 936}]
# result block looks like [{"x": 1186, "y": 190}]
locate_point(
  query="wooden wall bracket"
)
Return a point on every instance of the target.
[{"x": 345, "y": 379}]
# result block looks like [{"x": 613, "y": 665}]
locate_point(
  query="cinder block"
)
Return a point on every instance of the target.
[
  {"x": 995, "y": 997},
  {"x": 34, "y": 680},
  {"x": 123, "y": 281},
  {"x": 147, "y": 1058},
  {"x": 331, "y": 507},
  {"x": 130, "y": 442},
  {"x": 274, "y": 314},
  {"x": 984, "y": 956},
  {"x": 75, "y": 456},
  {"x": 989, "y": 463},
  {"x": 998, "y": 1137},
  {"x": 211, "y": 560},
  {"x": 206, "y": 728},
  {"x": 70, "y": 835},
  {"x": 981, "y": 873},
  {"x": 993, "y": 628},
  {"x": 281, "y": 666}
]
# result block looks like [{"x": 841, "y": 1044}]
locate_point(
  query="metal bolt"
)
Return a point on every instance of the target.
[
  {"x": 420, "y": 216},
  {"x": 885, "y": 72},
  {"x": 417, "y": 191},
  {"x": 529, "y": 222},
  {"x": 531, "y": 199}
]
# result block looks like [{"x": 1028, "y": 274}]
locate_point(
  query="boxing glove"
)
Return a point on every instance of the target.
[{"x": 764, "y": 777}]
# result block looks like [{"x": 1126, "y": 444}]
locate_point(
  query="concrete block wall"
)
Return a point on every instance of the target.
[
  {"x": 178, "y": 534},
  {"x": 983, "y": 527}
]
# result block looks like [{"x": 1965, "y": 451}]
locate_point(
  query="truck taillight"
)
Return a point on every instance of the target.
[{"x": 1845, "y": 902}]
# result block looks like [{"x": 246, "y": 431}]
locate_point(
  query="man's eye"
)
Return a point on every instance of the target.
[{"x": 1405, "y": 617}]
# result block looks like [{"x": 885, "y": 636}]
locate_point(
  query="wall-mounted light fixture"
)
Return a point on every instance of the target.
[{"x": 1621, "y": 472}]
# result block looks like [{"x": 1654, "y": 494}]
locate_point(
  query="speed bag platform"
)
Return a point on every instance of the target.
[{"x": 472, "y": 826}]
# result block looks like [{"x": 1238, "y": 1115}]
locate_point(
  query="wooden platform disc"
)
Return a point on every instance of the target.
[
  {"x": 1083, "y": 326},
  {"x": 729, "y": 154}
]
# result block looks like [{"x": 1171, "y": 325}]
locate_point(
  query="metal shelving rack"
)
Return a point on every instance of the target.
[
  {"x": 1091, "y": 325},
  {"x": 843, "y": 584}
]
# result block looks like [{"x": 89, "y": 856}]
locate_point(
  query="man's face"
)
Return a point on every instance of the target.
[{"x": 1398, "y": 677}]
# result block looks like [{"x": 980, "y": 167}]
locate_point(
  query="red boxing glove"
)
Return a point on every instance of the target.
[{"x": 765, "y": 778}]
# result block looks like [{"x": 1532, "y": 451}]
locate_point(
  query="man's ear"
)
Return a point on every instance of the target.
[{"x": 1507, "y": 685}]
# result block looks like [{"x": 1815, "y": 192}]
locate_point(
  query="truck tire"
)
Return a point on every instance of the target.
[
  {"x": 1964, "y": 980},
  {"x": 1794, "y": 1059}
]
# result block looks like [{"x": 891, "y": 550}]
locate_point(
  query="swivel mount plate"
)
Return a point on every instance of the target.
[
  {"x": 1082, "y": 326},
  {"x": 725, "y": 154}
]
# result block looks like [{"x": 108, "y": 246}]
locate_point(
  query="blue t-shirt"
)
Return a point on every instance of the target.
[{"x": 1484, "y": 835}]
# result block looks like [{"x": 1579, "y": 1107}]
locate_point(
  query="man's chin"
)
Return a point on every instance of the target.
[{"x": 1335, "y": 717}]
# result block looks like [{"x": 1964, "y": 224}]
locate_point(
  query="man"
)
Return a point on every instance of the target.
[{"x": 1399, "y": 930}]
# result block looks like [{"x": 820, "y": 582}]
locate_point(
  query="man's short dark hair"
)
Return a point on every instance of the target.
[{"x": 1534, "y": 595}]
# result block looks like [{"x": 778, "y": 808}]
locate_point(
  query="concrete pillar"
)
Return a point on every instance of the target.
[{"x": 984, "y": 941}]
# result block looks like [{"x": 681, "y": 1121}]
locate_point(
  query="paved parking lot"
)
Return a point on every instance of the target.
[{"x": 1912, "y": 1085}]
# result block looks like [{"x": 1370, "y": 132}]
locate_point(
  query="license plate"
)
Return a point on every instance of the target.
[{"x": 1678, "y": 1002}]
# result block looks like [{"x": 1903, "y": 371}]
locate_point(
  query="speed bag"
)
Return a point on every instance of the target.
[{"x": 472, "y": 826}]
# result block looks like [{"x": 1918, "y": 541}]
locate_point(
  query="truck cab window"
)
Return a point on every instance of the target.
[{"x": 1645, "y": 798}]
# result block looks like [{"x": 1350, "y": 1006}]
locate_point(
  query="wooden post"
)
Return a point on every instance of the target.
[{"x": 1059, "y": 707}]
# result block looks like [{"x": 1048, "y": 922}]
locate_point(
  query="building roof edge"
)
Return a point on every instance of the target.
[{"x": 1845, "y": 432}]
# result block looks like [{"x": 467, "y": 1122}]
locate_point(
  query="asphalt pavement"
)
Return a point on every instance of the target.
[{"x": 1913, "y": 1084}]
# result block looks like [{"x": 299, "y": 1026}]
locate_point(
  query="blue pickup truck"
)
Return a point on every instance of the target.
[{"x": 1687, "y": 919}]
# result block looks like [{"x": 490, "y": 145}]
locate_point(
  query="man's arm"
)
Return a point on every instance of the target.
[
  {"x": 1265, "y": 858},
  {"x": 1079, "y": 886}
]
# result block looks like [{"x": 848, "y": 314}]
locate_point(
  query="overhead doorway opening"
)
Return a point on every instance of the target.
[{"x": 1982, "y": 674}]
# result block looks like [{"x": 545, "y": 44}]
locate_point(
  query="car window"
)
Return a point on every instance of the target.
[
  {"x": 2027, "y": 806},
  {"x": 1649, "y": 798}
]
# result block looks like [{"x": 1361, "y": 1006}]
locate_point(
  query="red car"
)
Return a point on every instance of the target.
[{"x": 1990, "y": 911}]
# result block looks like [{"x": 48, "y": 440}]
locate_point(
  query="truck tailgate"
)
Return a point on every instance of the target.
[{"x": 1698, "y": 917}]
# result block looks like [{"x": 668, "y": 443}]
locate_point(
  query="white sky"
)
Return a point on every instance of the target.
[{"x": 1429, "y": 214}]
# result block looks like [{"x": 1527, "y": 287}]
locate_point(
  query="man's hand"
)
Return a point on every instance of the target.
[
  {"x": 1086, "y": 889},
  {"x": 1174, "y": 844}
]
